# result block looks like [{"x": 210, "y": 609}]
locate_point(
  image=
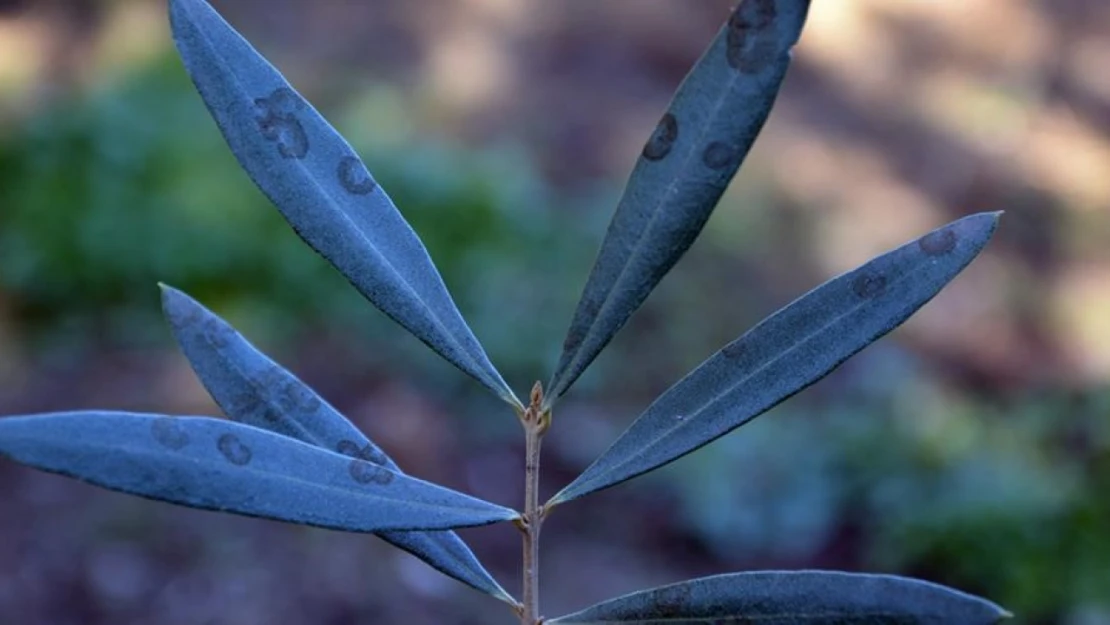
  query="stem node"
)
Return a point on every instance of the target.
[{"x": 536, "y": 419}]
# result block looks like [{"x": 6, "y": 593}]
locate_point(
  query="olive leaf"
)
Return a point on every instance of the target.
[
  {"x": 794, "y": 598},
  {"x": 787, "y": 352},
  {"x": 682, "y": 171},
  {"x": 216, "y": 464},
  {"x": 252, "y": 389},
  {"x": 322, "y": 188}
]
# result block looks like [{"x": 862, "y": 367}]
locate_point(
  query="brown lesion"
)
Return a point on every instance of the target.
[
  {"x": 367, "y": 452},
  {"x": 293, "y": 397},
  {"x": 938, "y": 243},
  {"x": 733, "y": 350},
  {"x": 365, "y": 472},
  {"x": 234, "y": 450},
  {"x": 277, "y": 120},
  {"x": 672, "y": 602},
  {"x": 869, "y": 285},
  {"x": 662, "y": 138},
  {"x": 750, "y": 42},
  {"x": 719, "y": 155},
  {"x": 354, "y": 177},
  {"x": 169, "y": 433}
]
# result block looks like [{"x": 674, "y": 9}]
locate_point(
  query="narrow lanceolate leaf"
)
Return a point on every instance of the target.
[
  {"x": 254, "y": 390},
  {"x": 216, "y": 464},
  {"x": 787, "y": 352},
  {"x": 794, "y": 598},
  {"x": 682, "y": 172},
  {"x": 322, "y": 187}
]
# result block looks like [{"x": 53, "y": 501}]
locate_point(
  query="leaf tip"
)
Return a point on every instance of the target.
[
  {"x": 171, "y": 297},
  {"x": 167, "y": 290},
  {"x": 994, "y": 216}
]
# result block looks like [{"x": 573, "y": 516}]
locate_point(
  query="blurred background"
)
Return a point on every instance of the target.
[{"x": 971, "y": 447}]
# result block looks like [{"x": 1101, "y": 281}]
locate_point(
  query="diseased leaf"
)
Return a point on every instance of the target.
[
  {"x": 216, "y": 464},
  {"x": 794, "y": 598},
  {"x": 787, "y": 352},
  {"x": 682, "y": 171},
  {"x": 252, "y": 389},
  {"x": 322, "y": 187}
]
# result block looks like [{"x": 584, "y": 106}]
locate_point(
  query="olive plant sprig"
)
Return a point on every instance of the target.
[{"x": 286, "y": 454}]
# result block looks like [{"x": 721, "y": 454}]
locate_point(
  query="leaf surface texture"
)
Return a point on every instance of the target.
[
  {"x": 252, "y": 389},
  {"x": 322, "y": 188},
  {"x": 787, "y": 352}
]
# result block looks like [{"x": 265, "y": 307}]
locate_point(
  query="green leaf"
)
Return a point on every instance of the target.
[
  {"x": 322, "y": 187},
  {"x": 216, "y": 464},
  {"x": 252, "y": 389},
  {"x": 683, "y": 170},
  {"x": 787, "y": 352},
  {"x": 794, "y": 598}
]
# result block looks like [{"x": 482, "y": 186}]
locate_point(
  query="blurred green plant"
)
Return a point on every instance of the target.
[{"x": 112, "y": 189}]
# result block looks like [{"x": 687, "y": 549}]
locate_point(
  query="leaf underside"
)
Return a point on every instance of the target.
[
  {"x": 321, "y": 187},
  {"x": 794, "y": 598},
  {"x": 682, "y": 172},
  {"x": 787, "y": 352},
  {"x": 216, "y": 464},
  {"x": 252, "y": 389}
]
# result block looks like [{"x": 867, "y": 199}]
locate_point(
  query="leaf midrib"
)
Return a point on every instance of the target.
[
  {"x": 693, "y": 415},
  {"x": 144, "y": 453},
  {"x": 334, "y": 205},
  {"x": 663, "y": 197}
]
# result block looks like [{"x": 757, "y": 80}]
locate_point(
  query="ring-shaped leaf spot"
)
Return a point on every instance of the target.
[
  {"x": 216, "y": 464},
  {"x": 787, "y": 352},
  {"x": 794, "y": 598},
  {"x": 322, "y": 188},
  {"x": 253, "y": 389},
  {"x": 684, "y": 168}
]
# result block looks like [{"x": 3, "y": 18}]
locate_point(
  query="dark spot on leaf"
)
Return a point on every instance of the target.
[
  {"x": 354, "y": 177},
  {"x": 169, "y": 433},
  {"x": 217, "y": 333},
  {"x": 278, "y": 122},
  {"x": 241, "y": 404},
  {"x": 733, "y": 350},
  {"x": 365, "y": 472},
  {"x": 310, "y": 402},
  {"x": 672, "y": 601},
  {"x": 191, "y": 316},
  {"x": 938, "y": 243},
  {"x": 292, "y": 142},
  {"x": 749, "y": 46},
  {"x": 719, "y": 155},
  {"x": 369, "y": 453},
  {"x": 662, "y": 139},
  {"x": 234, "y": 450},
  {"x": 868, "y": 285},
  {"x": 283, "y": 101},
  {"x": 294, "y": 397}
]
